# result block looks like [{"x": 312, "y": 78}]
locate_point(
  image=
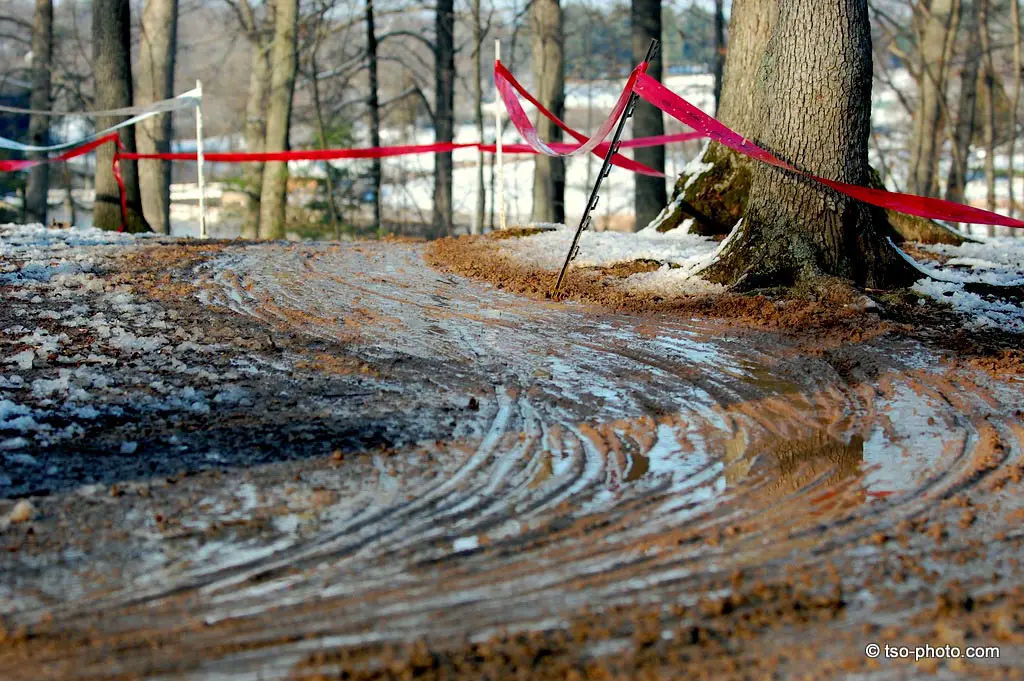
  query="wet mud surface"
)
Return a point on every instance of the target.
[{"x": 412, "y": 474}]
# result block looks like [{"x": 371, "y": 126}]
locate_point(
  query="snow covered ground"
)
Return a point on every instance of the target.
[{"x": 995, "y": 261}]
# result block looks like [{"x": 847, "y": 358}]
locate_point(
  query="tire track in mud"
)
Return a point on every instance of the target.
[{"x": 615, "y": 461}]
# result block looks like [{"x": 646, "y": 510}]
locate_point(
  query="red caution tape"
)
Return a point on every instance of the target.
[
  {"x": 935, "y": 209},
  {"x": 508, "y": 86},
  {"x": 11, "y": 166},
  {"x": 307, "y": 154},
  {"x": 120, "y": 182},
  {"x": 408, "y": 150}
]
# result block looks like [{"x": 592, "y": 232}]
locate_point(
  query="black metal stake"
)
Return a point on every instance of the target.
[{"x": 606, "y": 168}]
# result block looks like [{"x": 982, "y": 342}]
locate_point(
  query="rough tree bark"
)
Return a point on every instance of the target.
[
  {"x": 651, "y": 195},
  {"x": 937, "y": 20},
  {"x": 373, "y": 106},
  {"x": 42, "y": 57},
  {"x": 714, "y": 189},
  {"x": 157, "y": 48},
  {"x": 283, "y": 65},
  {"x": 111, "y": 64},
  {"x": 548, "y": 59},
  {"x": 963, "y": 133},
  {"x": 444, "y": 113},
  {"x": 813, "y": 93}
]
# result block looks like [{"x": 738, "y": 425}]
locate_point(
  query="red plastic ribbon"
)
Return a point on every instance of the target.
[
  {"x": 307, "y": 154},
  {"x": 935, "y": 209},
  {"x": 508, "y": 86},
  {"x": 120, "y": 182},
  {"x": 11, "y": 166},
  {"x": 653, "y": 141},
  {"x": 407, "y": 150}
]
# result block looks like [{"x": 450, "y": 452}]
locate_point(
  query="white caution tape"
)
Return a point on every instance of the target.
[{"x": 183, "y": 101}]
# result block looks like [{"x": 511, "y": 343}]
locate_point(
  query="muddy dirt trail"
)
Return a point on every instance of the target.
[{"x": 560, "y": 491}]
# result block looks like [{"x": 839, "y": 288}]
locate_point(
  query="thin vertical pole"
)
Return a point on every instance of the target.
[
  {"x": 606, "y": 168},
  {"x": 200, "y": 161},
  {"x": 497, "y": 137}
]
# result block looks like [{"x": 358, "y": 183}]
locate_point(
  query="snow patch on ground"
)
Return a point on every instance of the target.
[
  {"x": 998, "y": 261},
  {"x": 681, "y": 255}
]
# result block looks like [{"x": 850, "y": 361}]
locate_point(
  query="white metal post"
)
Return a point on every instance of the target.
[
  {"x": 200, "y": 160},
  {"x": 497, "y": 137}
]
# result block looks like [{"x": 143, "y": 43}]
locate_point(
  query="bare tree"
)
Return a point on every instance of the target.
[
  {"x": 967, "y": 108},
  {"x": 719, "y": 49},
  {"x": 111, "y": 26},
  {"x": 444, "y": 113},
  {"x": 937, "y": 21},
  {"x": 373, "y": 106},
  {"x": 650, "y": 195},
  {"x": 546, "y": 39},
  {"x": 157, "y": 52},
  {"x": 255, "y": 111},
  {"x": 42, "y": 63},
  {"x": 283, "y": 67},
  {"x": 988, "y": 86},
  {"x": 1018, "y": 57},
  {"x": 813, "y": 95},
  {"x": 478, "y": 110}
]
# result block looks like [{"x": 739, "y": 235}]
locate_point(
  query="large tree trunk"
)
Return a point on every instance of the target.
[
  {"x": 938, "y": 20},
  {"x": 963, "y": 133},
  {"x": 42, "y": 56},
  {"x": 444, "y": 114},
  {"x": 714, "y": 190},
  {"x": 283, "y": 65},
  {"x": 651, "y": 195},
  {"x": 255, "y": 134},
  {"x": 373, "y": 104},
  {"x": 156, "y": 81},
  {"x": 549, "y": 81},
  {"x": 814, "y": 109},
  {"x": 111, "y": 65}
]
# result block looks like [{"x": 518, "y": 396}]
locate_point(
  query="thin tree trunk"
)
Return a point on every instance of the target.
[
  {"x": 38, "y": 186},
  {"x": 373, "y": 105},
  {"x": 157, "y": 51},
  {"x": 255, "y": 134},
  {"x": 989, "y": 122},
  {"x": 651, "y": 195},
  {"x": 69, "y": 200},
  {"x": 938, "y": 21},
  {"x": 717, "y": 195},
  {"x": 1018, "y": 58},
  {"x": 967, "y": 108},
  {"x": 478, "y": 97},
  {"x": 321, "y": 131},
  {"x": 274, "y": 194},
  {"x": 444, "y": 114},
  {"x": 814, "y": 108},
  {"x": 548, "y": 58},
  {"x": 719, "y": 49},
  {"x": 111, "y": 64}
]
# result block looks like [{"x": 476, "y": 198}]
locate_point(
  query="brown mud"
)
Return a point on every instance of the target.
[
  {"x": 434, "y": 478},
  {"x": 831, "y": 312}
]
